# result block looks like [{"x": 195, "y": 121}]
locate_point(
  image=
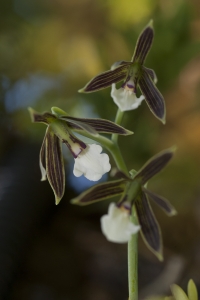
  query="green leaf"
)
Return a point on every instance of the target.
[
  {"x": 178, "y": 293},
  {"x": 192, "y": 290},
  {"x": 105, "y": 79},
  {"x": 150, "y": 229},
  {"x": 153, "y": 97},
  {"x": 163, "y": 203},
  {"x": 95, "y": 126},
  {"x": 154, "y": 165},
  {"x": 143, "y": 44},
  {"x": 100, "y": 192},
  {"x": 55, "y": 165}
]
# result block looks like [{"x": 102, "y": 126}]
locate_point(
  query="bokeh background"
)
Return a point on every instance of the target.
[{"x": 48, "y": 50}]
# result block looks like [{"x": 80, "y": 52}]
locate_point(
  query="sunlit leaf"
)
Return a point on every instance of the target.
[
  {"x": 100, "y": 192},
  {"x": 55, "y": 165},
  {"x": 192, "y": 290},
  {"x": 143, "y": 44},
  {"x": 154, "y": 165},
  {"x": 152, "y": 95},
  {"x": 105, "y": 79},
  {"x": 178, "y": 293},
  {"x": 150, "y": 228},
  {"x": 163, "y": 203}
]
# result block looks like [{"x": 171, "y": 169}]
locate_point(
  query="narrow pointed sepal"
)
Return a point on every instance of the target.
[
  {"x": 163, "y": 203},
  {"x": 55, "y": 165},
  {"x": 152, "y": 74},
  {"x": 106, "y": 79},
  {"x": 143, "y": 44},
  {"x": 150, "y": 229},
  {"x": 153, "y": 97},
  {"x": 42, "y": 160},
  {"x": 95, "y": 126},
  {"x": 154, "y": 165},
  {"x": 100, "y": 192}
]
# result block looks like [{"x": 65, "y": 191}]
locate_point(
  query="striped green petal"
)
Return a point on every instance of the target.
[
  {"x": 100, "y": 192},
  {"x": 143, "y": 44},
  {"x": 106, "y": 79},
  {"x": 150, "y": 229},
  {"x": 154, "y": 165},
  {"x": 55, "y": 165}
]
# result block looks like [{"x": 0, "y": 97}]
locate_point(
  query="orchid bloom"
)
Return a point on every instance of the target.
[
  {"x": 116, "y": 225},
  {"x": 134, "y": 74},
  {"x": 89, "y": 161},
  {"x": 125, "y": 98}
]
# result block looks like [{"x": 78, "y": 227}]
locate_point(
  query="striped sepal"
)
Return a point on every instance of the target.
[
  {"x": 154, "y": 165},
  {"x": 106, "y": 79},
  {"x": 163, "y": 203},
  {"x": 150, "y": 229},
  {"x": 100, "y": 192},
  {"x": 55, "y": 165},
  {"x": 94, "y": 126},
  {"x": 143, "y": 44},
  {"x": 153, "y": 97}
]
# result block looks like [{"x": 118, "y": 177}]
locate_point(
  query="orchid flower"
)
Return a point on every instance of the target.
[
  {"x": 116, "y": 225},
  {"x": 88, "y": 159},
  {"x": 135, "y": 75},
  {"x": 133, "y": 192}
]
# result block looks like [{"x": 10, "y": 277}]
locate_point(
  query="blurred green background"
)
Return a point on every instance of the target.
[{"x": 48, "y": 50}]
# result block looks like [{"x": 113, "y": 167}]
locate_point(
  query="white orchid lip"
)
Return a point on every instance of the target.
[
  {"x": 117, "y": 226},
  {"x": 125, "y": 97},
  {"x": 92, "y": 163}
]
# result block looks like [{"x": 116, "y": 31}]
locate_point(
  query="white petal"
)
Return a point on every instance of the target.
[
  {"x": 91, "y": 163},
  {"x": 116, "y": 225},
  {"x": 125, "y": 99}
]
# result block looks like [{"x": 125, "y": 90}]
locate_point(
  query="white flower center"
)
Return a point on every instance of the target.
[
  {"x": 125, "y": 98},
  {"x": 116, "y": 225},
  {"x": 91, "y": 163}
]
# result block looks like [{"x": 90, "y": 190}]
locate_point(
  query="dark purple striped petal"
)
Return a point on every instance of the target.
[
  {"x": 100, "y": 192},
  {"x": 150, "y": 229},
  {"x": 95, "y": 126},
  {"x": 106, "y": 79},
  {"x": 153, "y": 97},
  {"x": 152, "y": 74},
  {"x": 143, "y": 44},
  {"x": 163, "y": 203},
  {"x": 55, "y": 165},
  {"x": 42, "y": 161},
  {"x": 154, "y": 165}
]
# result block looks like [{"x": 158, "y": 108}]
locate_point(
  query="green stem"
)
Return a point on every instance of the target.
[
  {"x": 118, "y": 121},
  {"x": 112, "y": 147},
  {"x": 133, "y": 262}
]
